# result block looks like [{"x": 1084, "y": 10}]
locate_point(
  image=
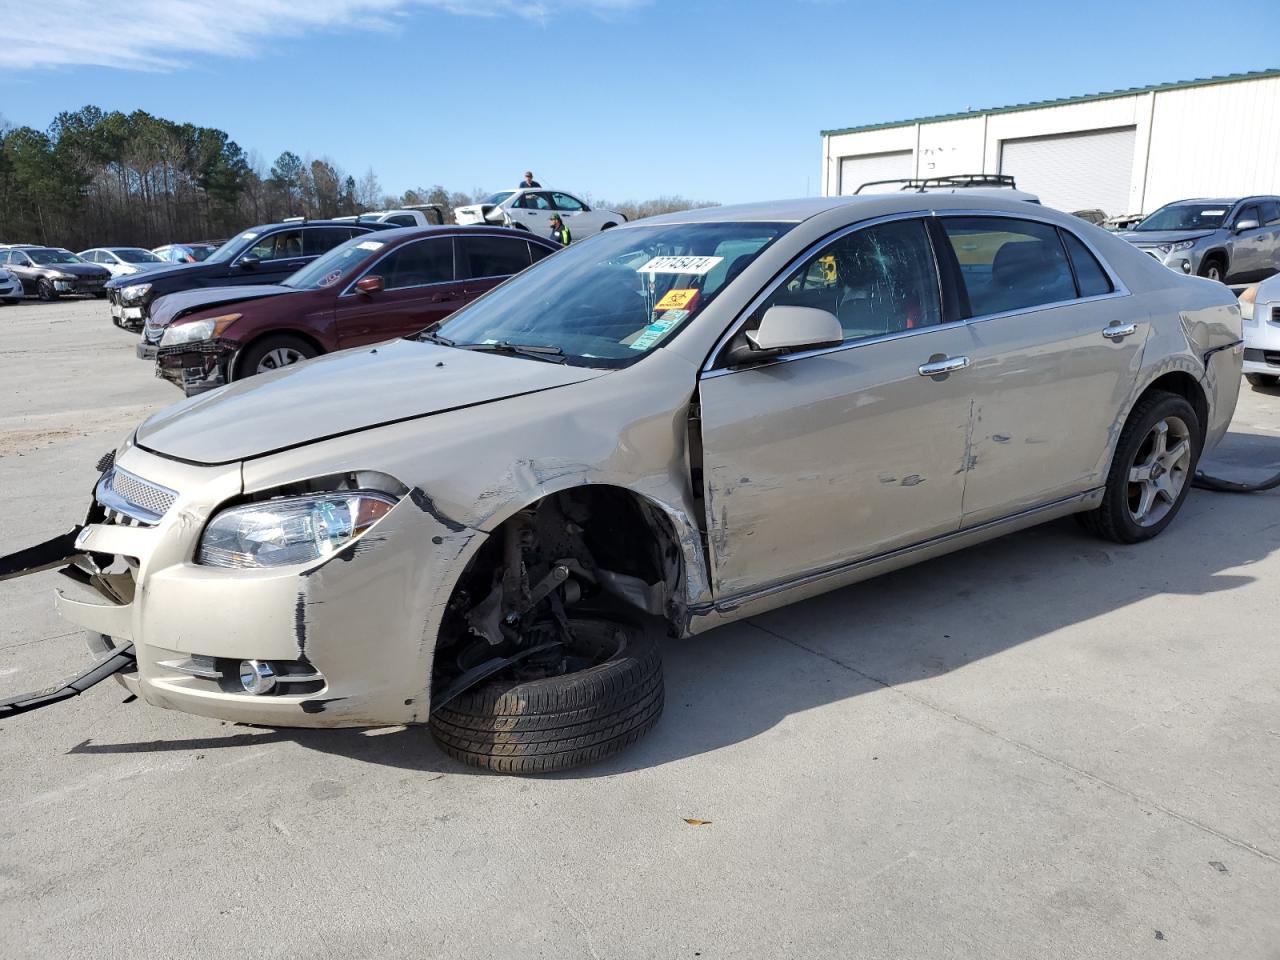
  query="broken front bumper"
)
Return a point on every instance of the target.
[
  {"x": 195, "y": 367},
  {"x": 349, "y": 638}
]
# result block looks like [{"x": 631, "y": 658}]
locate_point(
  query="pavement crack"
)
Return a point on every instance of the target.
[{"x": 1028, "y": 748}]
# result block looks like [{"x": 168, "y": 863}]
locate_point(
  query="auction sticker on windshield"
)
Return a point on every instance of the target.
[
  {"x": 369, "y": 245},
  {"x": 696, "y": 266},
  {"x": 677, "y": 299},
  {"x": 658, "y": 329}
]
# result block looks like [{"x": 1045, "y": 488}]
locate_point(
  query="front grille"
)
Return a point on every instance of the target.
[
  {"x": 1269, "y": 357},
  {"x": 139, "y": 499},
  {"x": 1275, "y": 314}
]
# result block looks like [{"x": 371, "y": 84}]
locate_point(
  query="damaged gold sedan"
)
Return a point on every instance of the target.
[{"x": 489, "y": 526}]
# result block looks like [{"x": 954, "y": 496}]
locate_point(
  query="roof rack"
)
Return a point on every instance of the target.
[
  {"x": 912, "y": 184},
  {"x": 302, "y": 219}
]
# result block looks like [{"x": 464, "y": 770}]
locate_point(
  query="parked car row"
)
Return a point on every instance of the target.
[
  {"x": 31, "y": 269},
  {"x": 1233, "y": 240},
  {"x": 367, "y": 289}
]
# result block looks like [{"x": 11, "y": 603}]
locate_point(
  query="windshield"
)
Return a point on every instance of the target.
[
  {"x": 335, "y": 266},
  {"x": 233, "y": 247},
  {"x": 53, "y": 256},
  {"x": 135, "y": 255},
  {"x": 496, "y": 198},
  {"x": 1186, "y": 216},
  {"x": 608, "y": 301},
  {"x": 202, "y": 251}
]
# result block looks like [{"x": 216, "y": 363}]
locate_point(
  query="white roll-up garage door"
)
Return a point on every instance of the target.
[
  {"x": 855, "y": 171},
  {"x": 1074, "y": 171}
]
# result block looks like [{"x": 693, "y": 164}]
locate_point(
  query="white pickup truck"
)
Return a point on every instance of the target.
[{"x": 412, "y": 215}]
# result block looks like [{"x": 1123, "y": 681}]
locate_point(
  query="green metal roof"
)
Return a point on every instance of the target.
[{"x": 1062, "y": 101}]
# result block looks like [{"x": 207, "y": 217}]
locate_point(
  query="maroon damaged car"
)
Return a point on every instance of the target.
[{"x": 371, "y": 288}]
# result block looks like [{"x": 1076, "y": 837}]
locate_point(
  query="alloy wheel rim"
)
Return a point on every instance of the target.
[
  {"x": 279, "y": 357},
  {"x": 1159, "y": 471}
]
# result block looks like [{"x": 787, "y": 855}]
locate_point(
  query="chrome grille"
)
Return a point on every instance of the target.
[{"x": 130, "y": 495}]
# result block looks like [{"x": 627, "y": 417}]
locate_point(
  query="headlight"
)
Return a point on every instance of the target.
[
  {"x": 64, "y": 276},
  {"x": 1246, "y": 302},
  {"x": 197, "y": 330},
  {"x": 1182, "y": 245},
  {"x": 135, "y": 291},
  {"x": 292, "y": 530}
]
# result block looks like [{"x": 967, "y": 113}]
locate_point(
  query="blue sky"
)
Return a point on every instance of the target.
[{"x": 621, "y": 99}]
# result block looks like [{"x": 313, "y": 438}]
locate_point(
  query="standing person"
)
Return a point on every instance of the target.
[
  {"x": 528, "y": 182},
  {"x": 559, "y": 232}
]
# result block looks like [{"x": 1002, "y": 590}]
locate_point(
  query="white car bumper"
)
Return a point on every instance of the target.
[{"x": 1262, "y": 339}]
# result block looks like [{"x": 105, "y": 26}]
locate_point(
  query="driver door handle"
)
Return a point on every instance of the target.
[
  {"x": 1118, "y": 331},
  {"x": 948, "y": 365}
]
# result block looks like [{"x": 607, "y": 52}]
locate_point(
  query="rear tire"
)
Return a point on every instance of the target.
[
  {"x": 1136, "y": 508},
  {"x": 557, "y": 723},
  {"x": 1262, "y": 381},
  {"x": 273, "y": 353}
]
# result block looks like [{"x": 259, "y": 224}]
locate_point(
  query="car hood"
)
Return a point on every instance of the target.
[
  {"x": 343, "y": 393},
  {"x": 75, "y": 269},
  {"x": 170, "y": 306},
  {"x": 168, "y": 271},
  {"x": 1162, "y": 236}
]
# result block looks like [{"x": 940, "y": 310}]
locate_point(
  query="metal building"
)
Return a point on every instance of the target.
[{"x": 1127, "y": 151}]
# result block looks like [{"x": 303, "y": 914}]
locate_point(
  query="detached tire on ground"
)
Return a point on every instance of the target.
[
  {"x": 540, "y": 726},
  {"x": 1150, "y": 477}
]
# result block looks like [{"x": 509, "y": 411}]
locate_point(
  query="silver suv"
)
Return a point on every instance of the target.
[{"x": 1233, "y": 241}]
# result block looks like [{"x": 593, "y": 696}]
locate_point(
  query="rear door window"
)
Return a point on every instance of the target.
[
  {"x": 417, "y": 264},
  {"x": 318, "y": 240},
  {"x": 1270, "y": 213},
  {"x": 1009, "y": 264},
  {"x": 480, "y": 257},
  {"x": 539, "y": 251}
]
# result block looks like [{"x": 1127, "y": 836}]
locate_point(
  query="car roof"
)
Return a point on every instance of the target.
[
  {"x": 311, "y": 223},
  {"x": 396, "y": 233},
  {"x": 867, "y": 205}
]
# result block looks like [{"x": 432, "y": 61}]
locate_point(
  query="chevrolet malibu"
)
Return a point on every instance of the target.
[{"x": 681, "y": 422}]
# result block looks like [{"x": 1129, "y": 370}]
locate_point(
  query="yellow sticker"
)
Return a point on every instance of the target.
[
  {"x": 677, "y": 300},
  {"x": 830, "y": 273}
]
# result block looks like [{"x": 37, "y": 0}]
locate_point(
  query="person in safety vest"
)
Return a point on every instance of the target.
[{"x": 559, "y": 232}]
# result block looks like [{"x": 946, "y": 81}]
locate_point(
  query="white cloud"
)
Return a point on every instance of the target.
[{"x": 164, "y": 35}]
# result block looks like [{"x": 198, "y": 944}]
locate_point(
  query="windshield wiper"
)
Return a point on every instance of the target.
[
  {"x": 433, "y": 337},
  {"x": 533, "y": 351}
]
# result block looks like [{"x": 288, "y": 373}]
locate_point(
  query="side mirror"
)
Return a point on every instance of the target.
[
  {"x": 249, "y": 263},
  {"x": 1243, "y": 225},
  {"x": 370, "y": 284},
  {"x": 785, "y": 330},
  {"x": 496, "y": 215}
]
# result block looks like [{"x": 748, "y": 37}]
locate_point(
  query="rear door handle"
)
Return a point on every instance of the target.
[
  {"x": 939, "y": 367},
  {"x": 1118, "y": 331}
]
